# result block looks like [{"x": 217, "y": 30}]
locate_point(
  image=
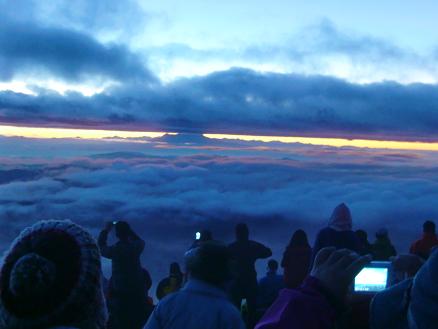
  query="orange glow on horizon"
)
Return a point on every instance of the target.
[
  {"x": 335, "y": 142},
  {"x": 48, "y": 133}
]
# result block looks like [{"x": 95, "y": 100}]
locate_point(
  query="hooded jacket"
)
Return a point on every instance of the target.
[{"x": 338, "y": 232}]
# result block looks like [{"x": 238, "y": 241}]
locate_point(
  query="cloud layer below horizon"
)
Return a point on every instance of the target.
[{"x": 169, "y": 190}]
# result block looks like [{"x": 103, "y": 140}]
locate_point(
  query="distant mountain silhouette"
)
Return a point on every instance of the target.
[{"x": 186, "y": 139}]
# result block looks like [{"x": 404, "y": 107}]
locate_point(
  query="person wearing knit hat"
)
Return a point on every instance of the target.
[
  {"x": 338, "y": 232},
  {"x": 51, "y": 277},
  {"x": 411, "y": 304}
]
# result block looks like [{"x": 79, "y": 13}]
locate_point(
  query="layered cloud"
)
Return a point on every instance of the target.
[
  {"x": 29, "y": 49},
  {"x": 243, "y": 101},
  {"x": 169, "y": 197},
  {"x": 322, "y": 48},
  {"x": 107, "y": 20}
]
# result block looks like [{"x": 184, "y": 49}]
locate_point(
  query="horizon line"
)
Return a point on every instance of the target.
[{"x": 81, "y": 133}]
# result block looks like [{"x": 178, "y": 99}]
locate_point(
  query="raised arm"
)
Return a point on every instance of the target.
[
  {"x": 262, "y": 251},
  {"x": 105, "y": 250},
  {"x": 138, "y": 241}
]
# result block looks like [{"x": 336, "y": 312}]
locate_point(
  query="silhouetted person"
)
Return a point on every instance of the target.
[
  {"x": 202, "y": 303},
  {"x": 364, "y": 244},
  {"x": 127, "y": 302},
  {"x": 205, "y": 235},
  {"x": 245, "y": 252},
  {"x": 296, "y": 259},
  {"x": 338, "y": 232},
  {"x": 172, "y": 283},
  {"x": 382, "y": 248},
  {"x": 423, "y": 246},
  {"x": 269, "y": 286},
  {"x": 149, "y": 306},
  {"x": 51, "y": 277}
]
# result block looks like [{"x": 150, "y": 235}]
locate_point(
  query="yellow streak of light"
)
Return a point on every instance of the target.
[
  {"x": 39, "y": 132},
  {"x": 336, "y": 142},
  {"x": 46, "y": 133}
]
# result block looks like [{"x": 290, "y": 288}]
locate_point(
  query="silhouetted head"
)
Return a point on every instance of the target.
[
  {"x": 206, "y": 235},
  {"x": 123, "y": 230},
  {"x": 242, "y": 232},
  {"x": 429, "y": 227},
  {"x": 175, "y": 269},
  {"x": 209, "y": 262},
  {"x": 299, "y": 239},
  {"x": 362, "y": 236},
  {"x": 382, "y": 234},
  {"x": 341, "y": 220},
  {"x": 273, "y": 265}
]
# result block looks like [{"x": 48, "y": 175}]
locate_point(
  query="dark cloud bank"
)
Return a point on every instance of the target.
[
  {"x": 31, "y": 49},
  {"x": 243, "y": 101}
]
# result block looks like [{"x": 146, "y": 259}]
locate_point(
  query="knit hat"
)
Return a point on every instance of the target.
[
  {"x": 51, "y": 276},
  {"x": 399, "y": 307},
  {"x": 340, "y": 220}
]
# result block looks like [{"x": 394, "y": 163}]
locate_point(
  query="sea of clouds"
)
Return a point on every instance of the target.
[{"x": 168, "y": 192}]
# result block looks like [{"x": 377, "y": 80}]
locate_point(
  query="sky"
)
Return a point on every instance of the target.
[
  {"x": 182, "y": 115},
  {"x": 321, "y": 68}
]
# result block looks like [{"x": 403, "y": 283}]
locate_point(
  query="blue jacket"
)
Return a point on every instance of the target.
[
  {"x": 268, "y": 289},
  {"x": 197, "y": 306}
]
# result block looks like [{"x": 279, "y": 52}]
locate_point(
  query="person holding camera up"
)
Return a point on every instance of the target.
[{"x": 127, "y": 295}]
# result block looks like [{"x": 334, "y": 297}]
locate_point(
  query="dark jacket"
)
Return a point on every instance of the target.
[
  {"x": 169, "y": 285},
  {"x": 329, "y": 237},
  {"x": 383, "y": 249},
  {"x": 244, "y": 254},
  {"x": 127, "y": 273},
  {"x": 296, "y": 263}
]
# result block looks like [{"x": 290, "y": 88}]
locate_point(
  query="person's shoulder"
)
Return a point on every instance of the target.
[
  {"x": 255, "y": 243},
  {"x": 263, "y": 280},
  {"x": 279, "y": 277},
  {"x": 169, "y": 301},
  {"x": 230, "y": 309},
  {"x": 232, "y": 316},
  {"x": 326, "y": 230}
]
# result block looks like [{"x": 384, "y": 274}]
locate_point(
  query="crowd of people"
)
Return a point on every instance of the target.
[{"x": 51, "y": 277}]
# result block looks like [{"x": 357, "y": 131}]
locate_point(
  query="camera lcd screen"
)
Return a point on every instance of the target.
[{"x": 371, "y": 279}]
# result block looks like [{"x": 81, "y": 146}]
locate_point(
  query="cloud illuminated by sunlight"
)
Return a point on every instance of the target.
[
  {"x": 39, "y": 132},
  {"x": 46, "y": 133},
  {"x": 335, "y": 142}
]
